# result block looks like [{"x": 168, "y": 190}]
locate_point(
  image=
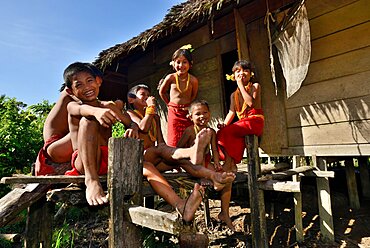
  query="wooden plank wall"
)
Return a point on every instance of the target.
[{"x": 330, "y": 115}]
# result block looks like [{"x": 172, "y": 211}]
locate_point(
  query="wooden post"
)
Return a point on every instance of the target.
[
  {"x": 39, "y": 227},
  {"x": 298, "y": 204},
  {"x": 256, "y": 196},
  {"x": 241, "y": 36},
  {"x": 354, "y": 201},
  {"x": 125, "y": 177},
  {"x": 323, "y": 192},
  {"x": 364, "y": 174}
]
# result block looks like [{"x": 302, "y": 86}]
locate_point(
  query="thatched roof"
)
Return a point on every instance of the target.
[{"x": 178, "y": 17}]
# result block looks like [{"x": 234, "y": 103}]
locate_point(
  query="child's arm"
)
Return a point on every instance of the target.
[
  {"x": 216, "y": 156},
  {"x": 185, "y": 138},
  {"x": 163, "y": 89},
  {"x": 249, "y": 98},
  {"x": 194, "y": 90},
  {"x": 230, "y": 116},
  {"x": 160, "y": 138}
]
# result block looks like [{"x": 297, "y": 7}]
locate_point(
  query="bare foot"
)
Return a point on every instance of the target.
[
  {"x": 189, "y": 207},
  {"x": 226, "y": 218},
  {"x": 220, "y": 179},
  {"x": 95, "y": 194},
  {"x": 201, "y": 141}
]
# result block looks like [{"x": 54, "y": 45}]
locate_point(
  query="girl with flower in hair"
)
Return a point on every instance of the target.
[
  {"x": 178, "y": 90},
  {"x": 245, "y": 102}
]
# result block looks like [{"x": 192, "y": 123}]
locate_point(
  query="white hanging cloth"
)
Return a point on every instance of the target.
[{"x": 294, "y": 49}]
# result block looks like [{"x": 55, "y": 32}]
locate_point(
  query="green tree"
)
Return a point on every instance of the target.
[{"x": 20, "y": 134}]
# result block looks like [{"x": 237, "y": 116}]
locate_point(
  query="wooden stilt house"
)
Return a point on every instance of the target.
[{"x": 329, "y": 113}]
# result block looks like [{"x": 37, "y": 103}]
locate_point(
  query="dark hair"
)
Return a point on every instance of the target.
[
  {"x": 183, "y": 52},
  {"x": 132, "y": 93},
  {"x": 198, "y": 102},
  {"x": 242, "y": 64},
  {"x": 78, "y": 67}
]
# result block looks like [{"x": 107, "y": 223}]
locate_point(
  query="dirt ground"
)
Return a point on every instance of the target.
[{"x": 352, "y": 227}]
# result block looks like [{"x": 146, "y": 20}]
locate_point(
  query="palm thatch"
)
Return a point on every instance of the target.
[{"x": 178, "y": 17}]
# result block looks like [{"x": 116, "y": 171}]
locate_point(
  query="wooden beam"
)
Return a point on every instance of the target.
[
  {"x": 318, "y": 173},
  {"x": 297, "y": 204},
  {"x": 256, "y": 195},
  {"x": 275, "y": 185},
  {"x": 241, "y": 36},
  {"x": 354, "y": 201},
  {"x": 285, "y": 174},
  {"x": 364, "y": 174},
  {"x": 125, "y": 176},
  {"x": 325, "y": 211},
  {"x": 54, "y": 179}
]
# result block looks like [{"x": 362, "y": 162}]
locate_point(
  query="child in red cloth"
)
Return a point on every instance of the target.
[
  {"x": 183, "y": 88},
  {"x": 90, "y": 122},
  {"x": 200, "y": 115},
  {"x": 246, "y": 104}
]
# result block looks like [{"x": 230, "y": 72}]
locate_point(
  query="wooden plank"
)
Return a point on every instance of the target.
[
  {"x": 355, "y": 132},
  {"x": 275, "y": 185},
  {"x": 125, "y": 174},
  {"x": 337, "y": 66},
  {"x": 318, "y": 8},
  {"x": 241, "y": 36},
  {"x": 286, "y": 174},
  {"x": 364, "y": 174},
  {"x": 340, "y": 19},
  {"x": 53, "y": 179},
  {"x": 353, "y": 109},
  {"x": 297, "y": 204},
  {"x": 325, "y": 211},
  {"x": 155, "y": 220},
  {"x": 318, "y": 173},
  {"x": 341, "y": 42},
  {"x": 275, "y": 134},
  {"x": 331, "y": 90},
  {"x": 18, "y": 199},
  {"x": 329, "y": 150},
  {"x": 256, "y": 196},
  {"x": 354, "y": 200}
]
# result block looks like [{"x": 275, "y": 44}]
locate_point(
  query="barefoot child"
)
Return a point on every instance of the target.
[
  {"x": 246, "y": 103},
  {"x": 200, "y": 115},
  {"x": 183, "y": 88},
  {"x": 90, "y": 125}
]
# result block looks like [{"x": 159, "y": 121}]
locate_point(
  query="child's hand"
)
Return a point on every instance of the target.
[
  {"x": 132, "y": 132},
  {"x": 106, "y": 117},
  {"x": 150, "y": 101}
]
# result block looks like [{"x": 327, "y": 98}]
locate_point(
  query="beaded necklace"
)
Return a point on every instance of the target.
[
  {"x": 178, "y": 86},
  {"x": 240, "y": 110},
  {"x": 153, "y": 129}
]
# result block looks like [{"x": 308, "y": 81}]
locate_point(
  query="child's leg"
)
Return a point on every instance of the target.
[
  {"x": 162, "y": 188},
  {"x": 225, "y": 204},
  {"x": 170, "y": 155},
  {"x": 219, "y": 179},
  {"x": 89, "y": 155},
  {"x": 61, "y": 150}
]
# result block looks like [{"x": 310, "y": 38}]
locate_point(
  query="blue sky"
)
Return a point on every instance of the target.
[{"x": 39, "y": 38}]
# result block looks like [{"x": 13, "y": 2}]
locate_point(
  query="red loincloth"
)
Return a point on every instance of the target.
[
  {"x": 232, "y": 137},
  {"x": 44, "y": 165},
  {"x": 103, "y": 170},
  {"x": 177, "y": 122}
]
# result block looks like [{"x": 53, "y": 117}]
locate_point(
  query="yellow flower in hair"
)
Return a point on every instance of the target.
[
  {"x": 230, "y": 77},
  {"x": 187, "y": 47}
]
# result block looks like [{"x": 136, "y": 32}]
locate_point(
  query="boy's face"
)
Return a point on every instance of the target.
[
  {"x": 141, "y": 97},
  {"x": 85, "y": 86},
  {"x": 200, "y": 115},
  {"x": 181, "y": 65},
  {"x": 242, "y": 74}
]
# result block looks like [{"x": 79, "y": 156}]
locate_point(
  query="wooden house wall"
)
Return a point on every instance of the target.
[{"x": 329, "y": 115}]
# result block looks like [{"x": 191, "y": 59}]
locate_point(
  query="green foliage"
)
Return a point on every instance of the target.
[
  {"x": 118, "y": 130},
  {"x": 63, "y": 237},
  {"x": 20, "y": 135}
]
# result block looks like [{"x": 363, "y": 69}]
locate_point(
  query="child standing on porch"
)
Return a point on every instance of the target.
[
  {"x": 246, "y": 103},
  {"x": 200, "y": 115},
  {"x": 183, "y": 89}
]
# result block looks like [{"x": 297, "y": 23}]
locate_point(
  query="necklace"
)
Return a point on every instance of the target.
[
  {"x": 178, "y": 86},
  {"x": 153, "y": 129}
]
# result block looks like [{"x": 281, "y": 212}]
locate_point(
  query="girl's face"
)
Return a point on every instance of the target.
[
  {"x": 181, "y": 65},
  {"x": 200, "y": 115},
  {"x": 85, "y": 86},
  {"x": 242, "y": 74},
  {"x": 141, "y": 97}
]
